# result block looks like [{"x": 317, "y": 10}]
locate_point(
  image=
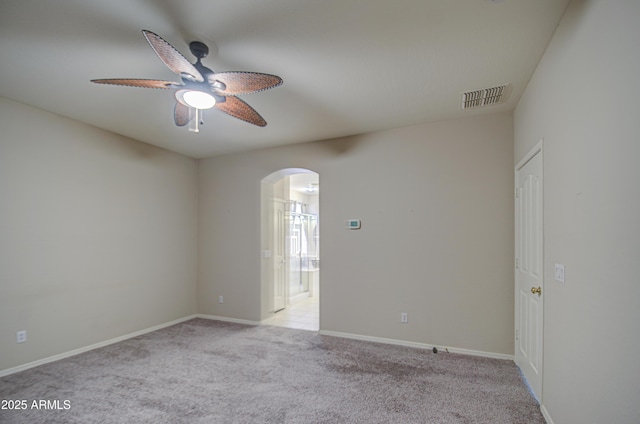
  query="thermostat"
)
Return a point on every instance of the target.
[{"x": 353, "y": 224}]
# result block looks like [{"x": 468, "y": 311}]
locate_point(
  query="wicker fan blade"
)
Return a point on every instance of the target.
[
  {"x": 238, "y": 109},
  {"x": 172, "y": 57},
  {"x": 182, "y": 115},
  {"x": 244, "y": 82},
  {"x": 145, "y": 83}
]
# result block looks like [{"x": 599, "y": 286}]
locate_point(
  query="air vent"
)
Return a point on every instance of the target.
[{"x": 485, "y": 97}]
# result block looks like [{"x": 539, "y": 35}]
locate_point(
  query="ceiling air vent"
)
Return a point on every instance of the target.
[{"x": 485, "y": 97}]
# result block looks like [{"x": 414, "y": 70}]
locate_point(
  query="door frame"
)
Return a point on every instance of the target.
[
  {"x": 278, "y": 262},
  {"x": 537, "y": 149}
]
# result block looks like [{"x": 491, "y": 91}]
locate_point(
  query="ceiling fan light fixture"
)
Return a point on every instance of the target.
[
  {"x": 196, "y": 99},
  {"x": 201, "y": 88}
]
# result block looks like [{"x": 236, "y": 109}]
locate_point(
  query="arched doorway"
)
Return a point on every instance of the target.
[{"x": 290, "y": 248}]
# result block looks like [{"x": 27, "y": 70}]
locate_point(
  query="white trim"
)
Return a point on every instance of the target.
[
  {"x": 299, "y": 296},
  {"x": 78, "y": 351},
  {"x": 534, "y": 151},
  {"x": 546, "y": 415},
  {"x": 225, "y": 319},
  {"x": 417, "y": 345}
]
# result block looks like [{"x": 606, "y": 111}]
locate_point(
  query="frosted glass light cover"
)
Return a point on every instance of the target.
[{"x": 199, "y": 99}]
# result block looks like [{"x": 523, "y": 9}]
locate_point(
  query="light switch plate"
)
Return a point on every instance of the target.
[{"x": 559, "y": 274}]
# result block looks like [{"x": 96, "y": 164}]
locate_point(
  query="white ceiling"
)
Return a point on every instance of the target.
[
  {"x": 303, "y": 181},
  {"x": 349, "y": 66}
]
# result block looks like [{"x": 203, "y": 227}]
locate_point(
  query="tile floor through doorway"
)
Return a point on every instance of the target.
[{"x": 304, "y": 314}]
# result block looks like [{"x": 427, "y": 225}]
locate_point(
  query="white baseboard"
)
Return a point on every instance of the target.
[
  {"x": 374, "y": 339},
  {"x": 546, "y": 415},
  {"x": 417, "y": 345},
  {"x": 78, "y": 351},
  {"x": 235, "y": 320},
  {"x": 299, "y": 296}
]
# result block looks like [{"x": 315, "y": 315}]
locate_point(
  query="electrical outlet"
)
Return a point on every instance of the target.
[
  {"x": 21, "y": 336},
  {"x": 220, "y": 299},
  {"x": 404, "y": 317},
  {"x": 559, "y": 274}
]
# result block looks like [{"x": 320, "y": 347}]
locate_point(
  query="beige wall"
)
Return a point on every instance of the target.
[
  {"x": 436, "y": 241},
  {"x": 583, "y": 100},
  {"x": 98, "y": 235}
]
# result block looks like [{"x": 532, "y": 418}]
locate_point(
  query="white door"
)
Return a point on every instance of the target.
[
  {"x": 279, "y": 277},
  {"x": 529, "y": 269}
]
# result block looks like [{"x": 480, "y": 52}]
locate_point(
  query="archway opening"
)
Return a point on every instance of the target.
[{"x": 290, "y": 241}]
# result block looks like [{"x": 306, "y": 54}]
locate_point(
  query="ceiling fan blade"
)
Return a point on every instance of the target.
[
  {"x": 172, "y": 57},
  {"x": 145, "y": 83},
  {"x": 239, "y": 109},
  {"x": 243, "y": 82},
  {"x": 182, "y": 115}
]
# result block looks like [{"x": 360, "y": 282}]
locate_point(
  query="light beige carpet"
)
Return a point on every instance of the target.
[{"x": 205, "y": 371}]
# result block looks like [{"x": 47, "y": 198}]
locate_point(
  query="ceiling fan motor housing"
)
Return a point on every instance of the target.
[{"x": 198, "y": 49}]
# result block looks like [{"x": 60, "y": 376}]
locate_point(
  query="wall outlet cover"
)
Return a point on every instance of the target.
[{"x": 559, "y": 273}]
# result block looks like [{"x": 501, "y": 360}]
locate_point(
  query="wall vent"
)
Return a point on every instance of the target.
[{"x": 485, "y": 97}]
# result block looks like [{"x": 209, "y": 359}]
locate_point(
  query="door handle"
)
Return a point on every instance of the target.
[{"x": 535, "y": 290}]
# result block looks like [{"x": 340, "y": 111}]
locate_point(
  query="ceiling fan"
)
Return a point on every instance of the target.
[{"x": 201, "y": 88}]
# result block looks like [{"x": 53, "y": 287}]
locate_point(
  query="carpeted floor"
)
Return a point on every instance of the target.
[{"x": 205, "y": 371}]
